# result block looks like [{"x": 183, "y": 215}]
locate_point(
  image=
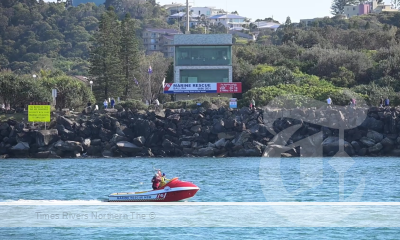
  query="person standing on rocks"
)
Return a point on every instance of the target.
[
  {"x": 387, "y": 102},
  {"x": 253, "y": 103},
  {"x": 105, "y": 104},
  {"x": 381, "y": 102},
  {"x": 157, "y": 103},
  {"x": 329, "y": 102},
  {"x": 112, "y": 102}
]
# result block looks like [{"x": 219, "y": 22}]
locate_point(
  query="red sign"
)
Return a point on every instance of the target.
[
  {"x": 39, "y": 103},
  {"x": 235, "y": 87}
]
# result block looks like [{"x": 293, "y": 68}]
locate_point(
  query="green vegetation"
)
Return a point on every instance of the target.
[
  {"x": 205, "y": 102},
  {"x": 19, "y": 90},
  {"x": 329, "y": 57}
]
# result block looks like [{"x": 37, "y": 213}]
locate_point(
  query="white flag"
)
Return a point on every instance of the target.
[{"x": 163, "y": 83}]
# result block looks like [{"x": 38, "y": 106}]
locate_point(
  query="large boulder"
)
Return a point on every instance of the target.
[
  {"x": 46, "y": 137},
  {"x": 331, "y": 145},
  {"x": 21, "y": 150},
  {"x": 373, "y": 124},
  {"x": 117, "y": 138},
  {"x": 67, "y": 123},
  {"x": 144, "y": 128},
  {"x": 106, "y": 135},
  {"x": 205, "y": 152},
  {"x": 174, "y": 118},
  {"x": 227, "y": 135},
  {"x": 377, "y": 137},
  {"x": 218, "y": 127},
  {"x": 367, "y": 141},
  {"x": 376, "y": 148},
  {"x": 139, "y": 141},
  {"x": 387, "y": 143},
  {"x": 220, "y": 143},
  {"x": 69, "y": 146},
  {"x": 128, "y": 147},
  {"x": 242, "y": 138}
]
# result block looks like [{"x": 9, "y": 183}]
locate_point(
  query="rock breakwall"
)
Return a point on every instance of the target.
[{"x": 206, "y": 133}]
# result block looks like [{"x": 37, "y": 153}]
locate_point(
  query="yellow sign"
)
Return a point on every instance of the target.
[{"x": 39, "y": 113}]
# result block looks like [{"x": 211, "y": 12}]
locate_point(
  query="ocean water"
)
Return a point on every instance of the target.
[{"x": 69, "y": 187}]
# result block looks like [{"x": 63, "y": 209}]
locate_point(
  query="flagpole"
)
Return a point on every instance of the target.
[{"x": 150, "y": 71}]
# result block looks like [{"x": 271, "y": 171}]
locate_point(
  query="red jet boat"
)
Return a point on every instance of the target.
[{"x": 174, "y": 190}]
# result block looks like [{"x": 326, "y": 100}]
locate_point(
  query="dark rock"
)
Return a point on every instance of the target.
[
  {"x": 373, "y": 124},
  {"x": 376, "y": 148},
  {"x": 21, "y": 150},
  {"x": 144, "y": 128},
  {"x": 331, "y": 144},
  {"x": 242, "y": 138},
  {"x": 218, "y": 127},
  {"x": 387, "y": 143},
  {"x": 94, "y": 151},
  {"x": 107, "y": 153},
  {"x": 128, "y": 147},
  {"x": 105, "y": 135},
  {"x": 227, "y": 135},
  {"x": 205, "y": 152},
  {"x": 362, "y": 152},
  {"x": 375, "y": 136},
  {"x": 167, "y": 144},
  {"x": 68, "y": 146},
  {"x": 139, "y": 141},
  {"x": 174, "y": 118},
  {"x": 367, "y": 142},
  {"x": 395, "y": 153},
  {"x": 356, "y": 146},
  {"x": 46, "y": 137},
  {"x": 67, "y": 123},
  {"x": 117, "y": 138},
  {"x": 95, "y": 142},
  {"x": 220, "y": 143}
]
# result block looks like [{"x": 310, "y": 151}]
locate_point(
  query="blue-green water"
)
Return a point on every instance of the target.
[{"x": 220, "y": 180}]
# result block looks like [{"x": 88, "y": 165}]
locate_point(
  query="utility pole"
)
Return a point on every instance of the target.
[{"x": 187, "y": 17}]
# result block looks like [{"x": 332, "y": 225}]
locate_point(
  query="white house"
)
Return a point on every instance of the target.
[
  {"x": 175, "y": 8},
  {"x": 181, "y": 17},
  {"x": 230, "y": 21},
  {"x": 206, "y": 11}
]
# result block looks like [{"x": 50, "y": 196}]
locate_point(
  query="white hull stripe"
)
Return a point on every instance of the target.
[{"x": 154, "y": 192}]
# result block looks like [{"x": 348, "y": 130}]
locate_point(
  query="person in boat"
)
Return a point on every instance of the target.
[
  {"x": 156, "y": 181},
  {"x": 164, "y": 180}
]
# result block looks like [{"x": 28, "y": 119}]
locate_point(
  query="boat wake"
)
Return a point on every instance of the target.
[{"x": 50, "y": 202}]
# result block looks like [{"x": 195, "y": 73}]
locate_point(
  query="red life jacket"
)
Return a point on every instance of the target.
[{"x": 156, "y": 181}]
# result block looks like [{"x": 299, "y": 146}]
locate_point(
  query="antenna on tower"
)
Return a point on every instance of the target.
[
  {"x": 69, "y": 3},
  {"x": 187, "y": 17}
]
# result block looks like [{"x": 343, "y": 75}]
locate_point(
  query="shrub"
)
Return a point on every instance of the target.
[
  {"x": 206, "y": 102},
  {"x": 133, "y": 105}
]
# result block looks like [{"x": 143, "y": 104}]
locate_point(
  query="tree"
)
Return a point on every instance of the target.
[
  {"x": 129, "y": 52},
  {"x": 154, "y": 80},
  {"x": 71, "y": 92},
  {"x": 338, "y": 6},
  {"x": 105, "y": 68}
]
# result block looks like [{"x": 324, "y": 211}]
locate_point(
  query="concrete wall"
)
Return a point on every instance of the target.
[{"x": 184, "y": 96}]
